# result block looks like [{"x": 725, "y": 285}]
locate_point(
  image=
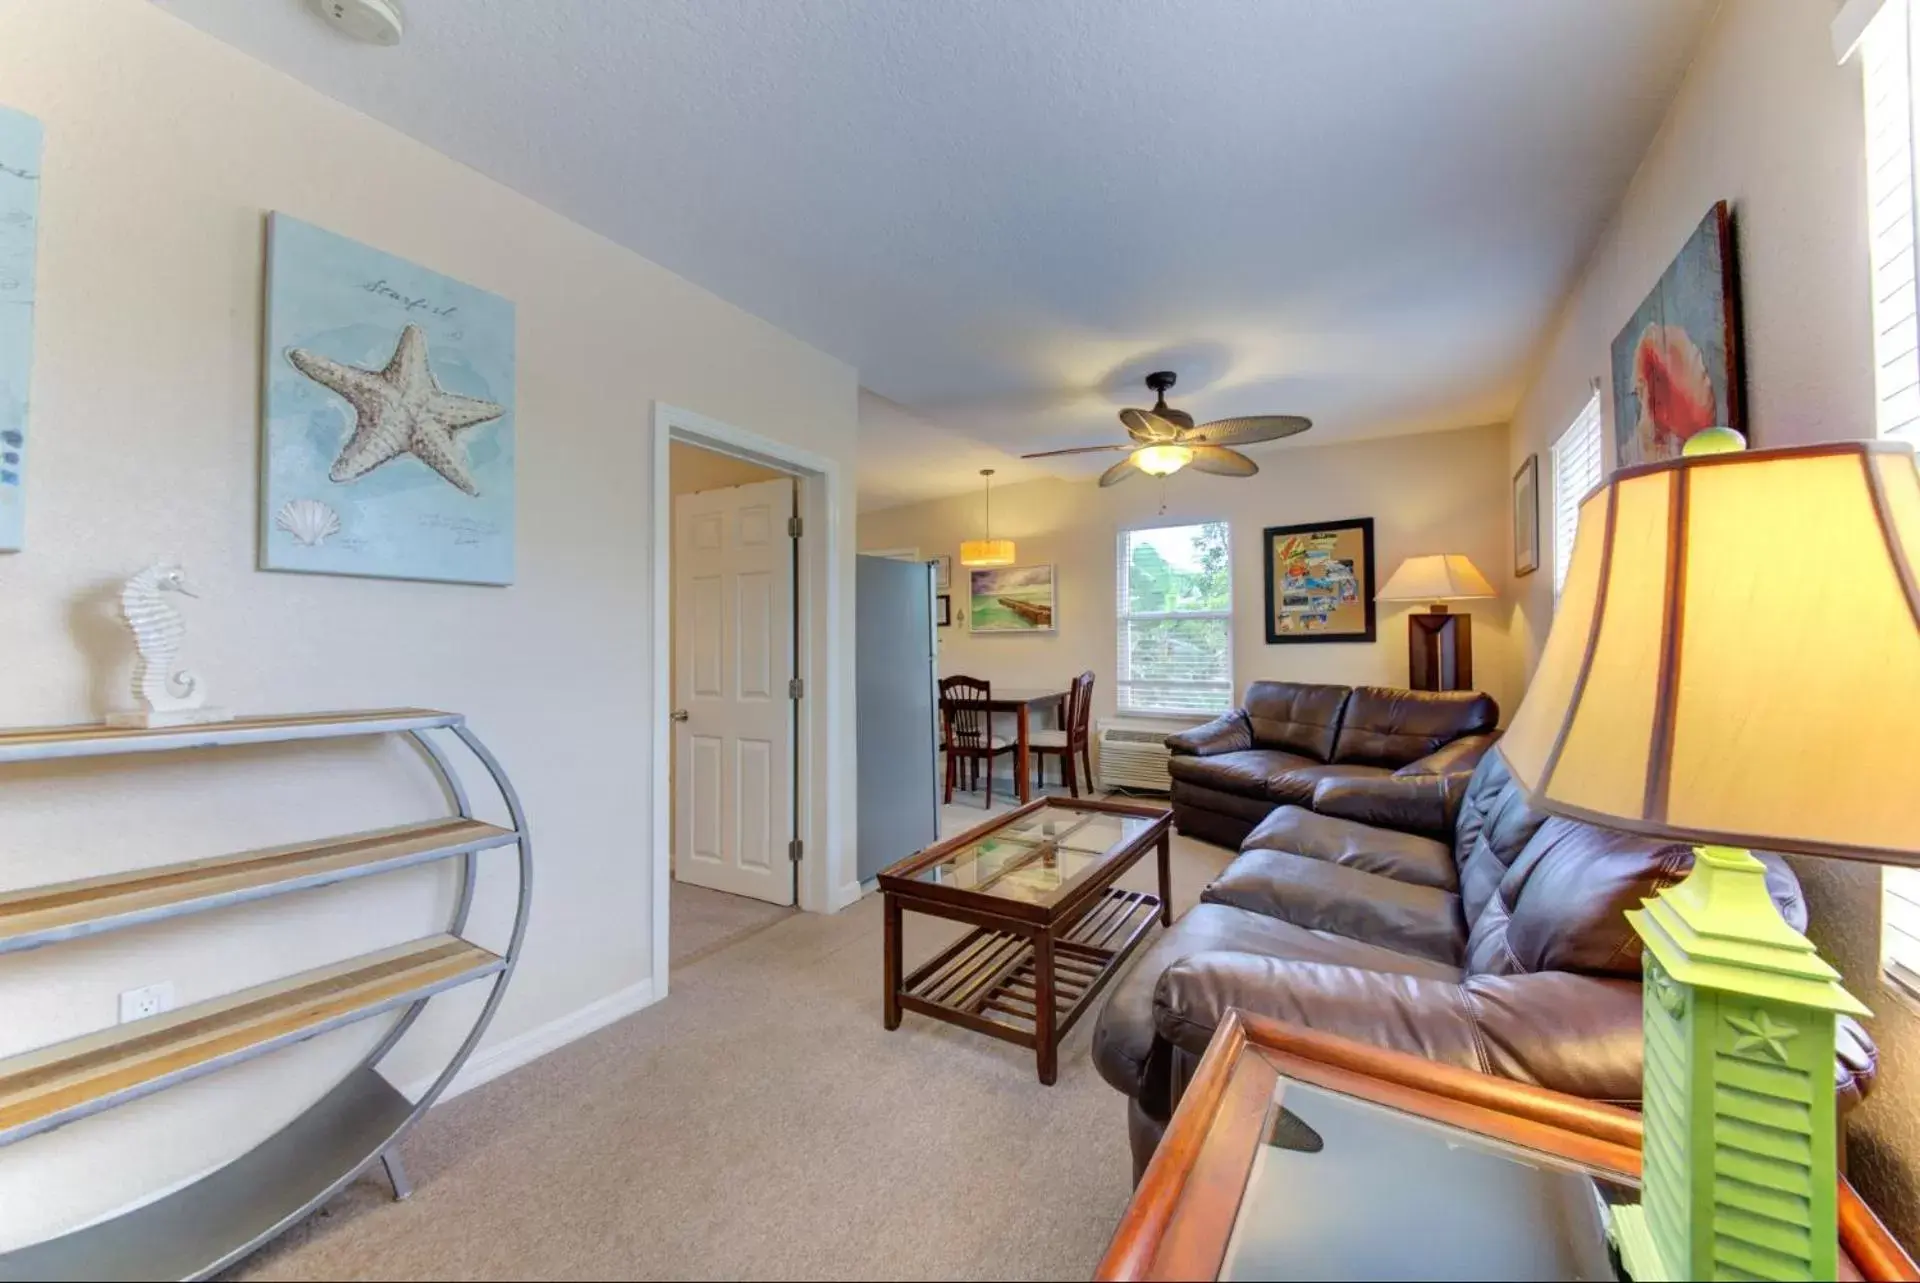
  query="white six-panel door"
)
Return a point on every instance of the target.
[{"x": 733, "y": 642}]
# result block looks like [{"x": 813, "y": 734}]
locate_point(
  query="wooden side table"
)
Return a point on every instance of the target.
[{"x": 1298, "y": 1154}]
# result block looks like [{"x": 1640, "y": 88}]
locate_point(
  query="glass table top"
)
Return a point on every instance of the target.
[
  {"x": 1342, "y": 1188},
  {"x": 1033, "y": 858}
]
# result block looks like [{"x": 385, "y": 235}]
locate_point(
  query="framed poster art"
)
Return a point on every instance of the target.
[
  {"x": 1526, "y": 517},
  {"x": 1676, "y": 363},
  {"x": 943, "y": 610},
  {"x": 943, "y": 573},
  {"x": 1011, "y": 599},
  {"x": 388, "y": 443},
  {"x": 1320, "y": 581},
  {"x": 20, "y": 143}
]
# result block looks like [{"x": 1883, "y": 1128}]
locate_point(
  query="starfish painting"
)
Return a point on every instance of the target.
[{"x": 399, "y": 410}]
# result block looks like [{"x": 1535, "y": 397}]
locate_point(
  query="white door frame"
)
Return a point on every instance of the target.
[{"x": 825, "y": 763}]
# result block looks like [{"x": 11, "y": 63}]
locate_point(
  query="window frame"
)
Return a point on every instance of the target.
[
  {"x": 1886, "y": 47},
  {"x": 1123, "y": 616},
  {"x": 1566, "y": 506}
]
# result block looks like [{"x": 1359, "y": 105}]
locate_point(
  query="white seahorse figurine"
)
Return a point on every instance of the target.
[{"x": 164, "y": 695}]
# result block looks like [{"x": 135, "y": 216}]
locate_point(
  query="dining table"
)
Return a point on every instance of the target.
[{"x": 1021, "y": 701}]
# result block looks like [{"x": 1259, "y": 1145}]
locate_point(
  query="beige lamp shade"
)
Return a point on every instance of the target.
[
  {"x": 986, "y": 552},
  {"x": 1736, "y": 656},
  {"x": 1440, "y": 577}
]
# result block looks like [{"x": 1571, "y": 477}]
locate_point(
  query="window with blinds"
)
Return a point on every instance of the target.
[
  {"x": 1175, "y": 597},
  {"x": 1887, "y": 58},
  {"x": 1578, "y": 467}
]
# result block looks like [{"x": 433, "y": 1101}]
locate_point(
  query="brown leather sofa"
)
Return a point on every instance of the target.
[
  {"x": 1438, "y": 915},
  {"x": 1229, "y": 773}
]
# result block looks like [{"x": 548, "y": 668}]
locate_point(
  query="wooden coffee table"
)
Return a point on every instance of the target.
[{"x": 1037, "y": 883}]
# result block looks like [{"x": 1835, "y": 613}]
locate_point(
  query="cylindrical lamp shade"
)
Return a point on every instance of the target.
[
  {"x": 1736, "y": 656},
  {"x": 1437, "y": 577},
  {"x": 986, "y": 552}
]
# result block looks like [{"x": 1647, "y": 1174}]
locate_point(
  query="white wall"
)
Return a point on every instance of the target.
[
  {"x": 1766, "y": 120},
  {"x": 165, "y": 150},
  {"x": 1436, "y": 492}
]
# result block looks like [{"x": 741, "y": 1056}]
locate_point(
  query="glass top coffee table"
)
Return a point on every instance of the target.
[{"x": 1050, "y": 926}]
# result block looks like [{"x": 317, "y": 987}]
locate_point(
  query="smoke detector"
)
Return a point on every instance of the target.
[{"x": 377, "y": 22}]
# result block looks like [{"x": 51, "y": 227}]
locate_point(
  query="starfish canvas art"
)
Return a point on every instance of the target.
[{"x": 389, "y": 408}]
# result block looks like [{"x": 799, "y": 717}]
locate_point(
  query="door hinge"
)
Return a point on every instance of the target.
[
  {"x": 796, "y": 688},
  {"x": 793, "y": 527},
  {"x": 794, "y": 849}
]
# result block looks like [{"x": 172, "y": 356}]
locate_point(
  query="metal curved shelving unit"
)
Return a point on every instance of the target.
[{"x": 204, "y": 1227}]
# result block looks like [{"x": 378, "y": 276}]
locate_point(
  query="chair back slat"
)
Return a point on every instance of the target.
[
  {"x": 1080, "y": 708},
  {"x": 964, "y": 707}
]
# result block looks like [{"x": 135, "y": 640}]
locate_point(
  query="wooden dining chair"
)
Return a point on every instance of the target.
[
  {"x": 1069, "y": 741},
  {"x": 966, "y": 719}
]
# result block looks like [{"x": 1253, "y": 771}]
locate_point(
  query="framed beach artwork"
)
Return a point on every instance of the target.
[
  {"x": 20, "y": 141},
  {"x": 1676, "y": 363},
  {"x": 1320, "y": 581},
  {"x": 389, "y": 416},
  {"x": 1012, "y": 599},
  {"x": 1526, "y": 517}
]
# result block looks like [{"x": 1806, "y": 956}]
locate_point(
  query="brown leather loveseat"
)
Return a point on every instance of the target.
[
  {"x": 1437, "y": 915},
  {"x": 1229, "y": 773}
]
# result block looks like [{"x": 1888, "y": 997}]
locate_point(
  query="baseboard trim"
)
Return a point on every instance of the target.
[
  {"x": 848, "y": 894},
  {"x": 489, "y": 1063}
]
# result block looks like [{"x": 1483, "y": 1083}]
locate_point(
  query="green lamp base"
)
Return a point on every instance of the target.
[{"x": 1739, "y": 1143}]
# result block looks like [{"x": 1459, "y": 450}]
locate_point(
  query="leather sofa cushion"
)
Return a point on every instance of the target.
[
  {"x": 1493, "y": 827},
  {"x": 1390, "y": 727},
  {"x": 1296, "y": 716},
  {"x": 1322, "y": 896},
  {"x": 1404, "y": 857},
  {"x": 1124, "y": 1034},
  {"x": 1246, "y": 773},
  {"x": 1295, "y": 786}
]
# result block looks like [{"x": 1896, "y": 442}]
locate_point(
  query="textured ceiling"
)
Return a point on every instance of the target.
[{"x": 1004, "y": 212}]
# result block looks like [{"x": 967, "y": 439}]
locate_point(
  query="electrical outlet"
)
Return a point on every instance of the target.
[{"x": 138, "y": 1004}]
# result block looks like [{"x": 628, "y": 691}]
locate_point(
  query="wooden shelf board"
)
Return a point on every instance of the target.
[
  {"x": 201, "y": 1229},
  {"x": 97, "y": 739},
  {"x": 64, "y": 911},
  {"x": 42, "y": 1089}
]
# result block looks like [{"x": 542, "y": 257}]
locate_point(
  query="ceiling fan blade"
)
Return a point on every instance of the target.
[
  {"x": 1118, "y": 472},
  {"x": 1148, "y": 428},
  {"x": 1079, "y": 449},
  {"x": 1248, "y": 430},
  {"x": 1221, "y": 461}
]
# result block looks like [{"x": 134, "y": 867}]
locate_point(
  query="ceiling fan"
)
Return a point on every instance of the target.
[{"x": 1166, "y": 440}]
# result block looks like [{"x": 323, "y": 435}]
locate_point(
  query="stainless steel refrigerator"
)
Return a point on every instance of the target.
[{"x": 897, "y": 697}]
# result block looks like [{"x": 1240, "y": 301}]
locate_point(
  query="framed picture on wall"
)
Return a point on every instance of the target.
[
  {"x": 943, "y": 610},
  {"x": 1012, "y": 599},
  {"x": 943, "y": 574},
  {"x": 1320, "y": 581},
  {"x": 1526, "y": 517},
  {"x": 1676, "y": 362}
]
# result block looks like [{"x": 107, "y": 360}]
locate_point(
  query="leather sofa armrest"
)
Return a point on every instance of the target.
[
  {"x": 1456, "y": 758},
  {"x": 1424, "y": 804},
  {"x": 1571, "y": 1033},
  {"x": 1227, "y": 733}
]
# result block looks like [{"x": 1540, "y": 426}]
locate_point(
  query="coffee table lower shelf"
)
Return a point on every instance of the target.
[{"x": 989, "y": 981}]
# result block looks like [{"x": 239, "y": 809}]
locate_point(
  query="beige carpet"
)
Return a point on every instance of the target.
[
  {"x": 759, "y": 1123},
  {"x": 705, "y": 922}
]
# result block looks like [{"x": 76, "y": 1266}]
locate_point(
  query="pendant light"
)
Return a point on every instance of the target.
[{"x": 988, "y": 551}]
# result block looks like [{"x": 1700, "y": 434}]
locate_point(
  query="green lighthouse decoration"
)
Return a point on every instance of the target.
[{"x": 1738, "y": 1156}]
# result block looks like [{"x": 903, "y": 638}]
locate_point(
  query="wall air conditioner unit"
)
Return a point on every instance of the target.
[{"x": 1133, "y": 758}]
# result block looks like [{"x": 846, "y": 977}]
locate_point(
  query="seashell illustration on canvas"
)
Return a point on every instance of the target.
[{"x": 309, "y": 521}]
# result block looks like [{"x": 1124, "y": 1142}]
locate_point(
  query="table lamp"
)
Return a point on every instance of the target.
[
  {"x": 1439, "y": 644},
  {"x": 1712, "y": 602}
]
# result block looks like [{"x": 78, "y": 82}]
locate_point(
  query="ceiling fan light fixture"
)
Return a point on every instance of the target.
[{"x": 1162, "y": 460}]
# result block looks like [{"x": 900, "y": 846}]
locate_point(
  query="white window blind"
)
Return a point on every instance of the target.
[
  {"x": 1578, "y": 466},
  {"x": 1887, "y": 59},
  {"x": 1175, "y": 596}
]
